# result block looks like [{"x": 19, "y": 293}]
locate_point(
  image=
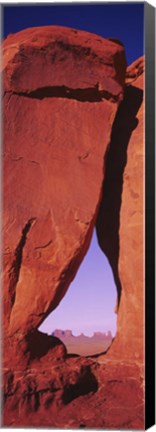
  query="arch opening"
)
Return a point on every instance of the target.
[{"x": 85, "y": 319}]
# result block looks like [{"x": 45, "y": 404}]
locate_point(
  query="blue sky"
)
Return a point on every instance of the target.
[
  {"x": 89, "y": 303},
  {"x": 122, "y": 21}
]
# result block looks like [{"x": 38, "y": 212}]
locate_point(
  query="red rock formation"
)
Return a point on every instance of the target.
[
  {"x": 130, "y": 336},
  {"x": 57, "y": 81},
  {"x": 38, "y": 58},
  {"x": 62, "y": 89},
  {"x": 121, "y": 237},
  {"x": 76, "y": 393}
]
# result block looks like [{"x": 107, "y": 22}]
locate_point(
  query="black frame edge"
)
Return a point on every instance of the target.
[{"x": 149, "y": 29}]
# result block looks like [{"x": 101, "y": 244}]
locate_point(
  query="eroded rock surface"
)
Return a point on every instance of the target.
[
  {"x": 121, "y": 236},
  {"x": 62, "y": 89},
  {"x": 131, "y": 257},
  {"x": 78, "y": 393}
]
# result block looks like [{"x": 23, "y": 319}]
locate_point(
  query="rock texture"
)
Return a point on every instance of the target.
[
  {"x": 78, "y": 393},
  {"x": 39, "y": 58},
  {"x": 62, "y": 89},
  {"x": 131, "y": 257},
  {"x": 121, "y": 237},
  {"x": 57, "y": 81}
]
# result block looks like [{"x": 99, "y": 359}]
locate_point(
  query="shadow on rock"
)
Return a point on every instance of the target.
[
  {"x": 108, "y": 220},
  {"x": 39, "y": 345},
  {"x": 86, "y": 383}
]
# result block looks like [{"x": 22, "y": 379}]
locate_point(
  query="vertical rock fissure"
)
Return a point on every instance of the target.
[
  {"x": 108, "y": 220},
  {"x": 16, "y": 265}
]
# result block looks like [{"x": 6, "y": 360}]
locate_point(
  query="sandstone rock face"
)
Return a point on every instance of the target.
[
  {"x": 38, "y": 58},
  {"x": 131, "y": 257},
  {"x": 77, "y": 393},
  {"x": 61, "y": 92},
  {"x": 62, "y": 89},
  {"x": 121, "y": 237}
]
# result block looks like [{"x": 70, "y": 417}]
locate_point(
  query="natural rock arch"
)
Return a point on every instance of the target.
[{"x": 66, "y": 105}]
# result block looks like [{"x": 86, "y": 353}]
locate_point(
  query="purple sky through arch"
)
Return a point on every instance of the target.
[{"x": 89, "y": 303}]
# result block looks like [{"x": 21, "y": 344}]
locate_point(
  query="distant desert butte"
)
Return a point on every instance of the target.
[{"x": 82, "y": 344}]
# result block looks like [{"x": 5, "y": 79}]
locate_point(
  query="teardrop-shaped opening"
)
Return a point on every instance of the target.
[{"x": 85, "y": 320}]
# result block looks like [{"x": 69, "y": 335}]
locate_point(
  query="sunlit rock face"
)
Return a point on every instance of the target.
[
  {"x": 121, "y": 237},
  {"x": 62, "y": 89},
  {"x": 131, "y": 257}
]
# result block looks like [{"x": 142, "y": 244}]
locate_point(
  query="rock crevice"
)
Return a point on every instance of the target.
[
  {"x": 90, "y": 94},
  {"x": 108, "y": 220},
  {"x": 14, "y": 271}
]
